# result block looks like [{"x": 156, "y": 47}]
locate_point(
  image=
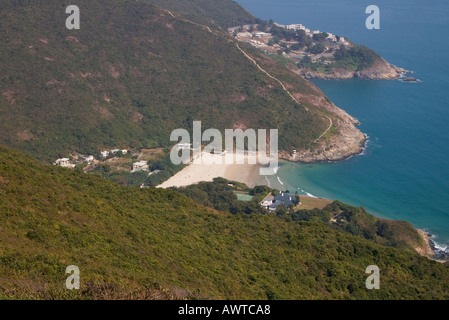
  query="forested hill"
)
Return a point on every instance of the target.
[
  {"x": 135, "y": 72},
  {"x": 152, "y": 243},
  {"x": 222, "y": 13}
]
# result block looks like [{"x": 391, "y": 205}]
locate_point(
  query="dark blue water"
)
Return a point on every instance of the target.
[{"x": 404, "y": 173}]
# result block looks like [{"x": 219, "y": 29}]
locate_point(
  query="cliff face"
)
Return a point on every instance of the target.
[
  {"x": 380, "y": 70},
  {"x": 342, "y": 140},
  {"x": 348, "y": 142}
]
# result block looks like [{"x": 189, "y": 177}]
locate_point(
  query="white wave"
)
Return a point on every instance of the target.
[
  {"x": 280, "y": 181},
  {"x": 310, "y": 195},
  {"x": 307, "y": 193},
  {"x": 365, "y": 147},
  {"x": 439, "y": 247}
]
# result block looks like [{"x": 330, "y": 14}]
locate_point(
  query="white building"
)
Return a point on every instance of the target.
[
  {"x": 262, "y": 34},
  {"x": 343, "y": 41},
  {"x": 89, "y": 158},
  {"x": 140, "y": 166},
  {"x": 279, "y": 25},
  {"x": 104, "y": 154},
  {"x": 295, "y": 27},
  {"x": 124, "y": 151},
  {"x": 244, "y": 35},
  {"x": 65, "y": 163},
  {"x": 331, "y": 38}
]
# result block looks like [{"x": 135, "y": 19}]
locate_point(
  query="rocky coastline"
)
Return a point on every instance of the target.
[{"x": 380, "y": 70}]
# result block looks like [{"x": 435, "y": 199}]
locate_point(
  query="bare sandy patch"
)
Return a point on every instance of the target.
[{"x": 199, "y": 171}]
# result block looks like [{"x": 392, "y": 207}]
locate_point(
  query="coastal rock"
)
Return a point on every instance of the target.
[
  {"x": 410, "y": 79},
  {"x": 380, "y": 70},
  {"x": 344, "y": 141}
]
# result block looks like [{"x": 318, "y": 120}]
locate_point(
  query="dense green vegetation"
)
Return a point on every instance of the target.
[
  {"x": 356, "y": 58},
  {"x": 151, "y": 243},
  {"x": 317, "y": 48},
  {"x": 357, "y": 221},
  {"x": 220, "y": 195},
  {"x": 162, "y": 170},
  {"x": 320, "y": 36},
  {"x": 291, "y": 35},
  {"x": 224, "y": 13},
  {"x": 129, "y": 77}
]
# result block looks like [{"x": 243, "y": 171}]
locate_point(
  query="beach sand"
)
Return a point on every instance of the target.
[{"x": 197, "y": 172}]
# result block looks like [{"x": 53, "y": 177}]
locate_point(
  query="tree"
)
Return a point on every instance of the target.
[
  {"x": 281, "y": 210},
  {"x": 274, "y": 40},
  {"x": 317, "y": 48},
  {"x": 297, "y": 46},
  {"x": 320, "y": 36},
  {"x": 297, "y": 200},
  {"x": 306, "y": 60}
]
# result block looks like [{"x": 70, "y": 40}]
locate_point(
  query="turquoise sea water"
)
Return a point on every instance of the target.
[{"x": 404, "y": 173}]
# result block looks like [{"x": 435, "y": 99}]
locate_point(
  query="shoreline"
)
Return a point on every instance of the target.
[
  {"x": 308, "y": 159},
  {"x": 245, "y": 173},
  {"x": 249, "y": 174},
  {"x": 380, "y": 70},
  {"x": 430, "y": 248}
]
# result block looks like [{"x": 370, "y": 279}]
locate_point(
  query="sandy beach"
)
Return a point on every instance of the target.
[{"x": 246, "y": 173}]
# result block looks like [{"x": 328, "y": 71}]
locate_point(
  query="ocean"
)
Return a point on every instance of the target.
[{"x": 402, "y": 174}]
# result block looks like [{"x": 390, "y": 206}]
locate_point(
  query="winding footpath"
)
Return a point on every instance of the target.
[
  {"x": 264, "y": 71},
  {"x": 272, "y": 77},
  {"x": 283, "y": 87}
]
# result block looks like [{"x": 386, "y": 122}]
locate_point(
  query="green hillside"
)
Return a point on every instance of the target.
[
  {"x": 221, "y": 195},
  {"x": 130, "y": 76},
  {"x": 150, "y": 243},
  {"x": 224, "y": 13}
]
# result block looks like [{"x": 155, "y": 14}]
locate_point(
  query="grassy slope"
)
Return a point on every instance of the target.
[
  {"x": 224, "y": 13},
  {"x": 220, "y": 195},
  {"x": 130, "y": 240},
  {"x": 128, "y": 77}
]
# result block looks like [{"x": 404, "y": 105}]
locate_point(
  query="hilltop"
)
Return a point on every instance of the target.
[
  {"x": 135, "y": 72},
  {"x": 215, "y": 13},
  {"x": 151, "y": 243},
  {"x": 316, "y": 54}
]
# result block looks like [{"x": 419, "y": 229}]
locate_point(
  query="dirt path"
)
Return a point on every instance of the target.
[
  {"x": 322, "y": 135},
  {"x": 264, "y": 71}
]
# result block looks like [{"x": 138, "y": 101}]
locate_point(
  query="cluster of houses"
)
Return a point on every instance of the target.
[
  {"x": 106, "y": 153},
  {"x": 271, "y": 203},
  {"x": 245, "y": 34},
  {"x": 67, "y": 163},
  {"x": 331, "y": 37},
  {"x": 140, "y": 166},
  {"x": 79, "y": 159}
]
